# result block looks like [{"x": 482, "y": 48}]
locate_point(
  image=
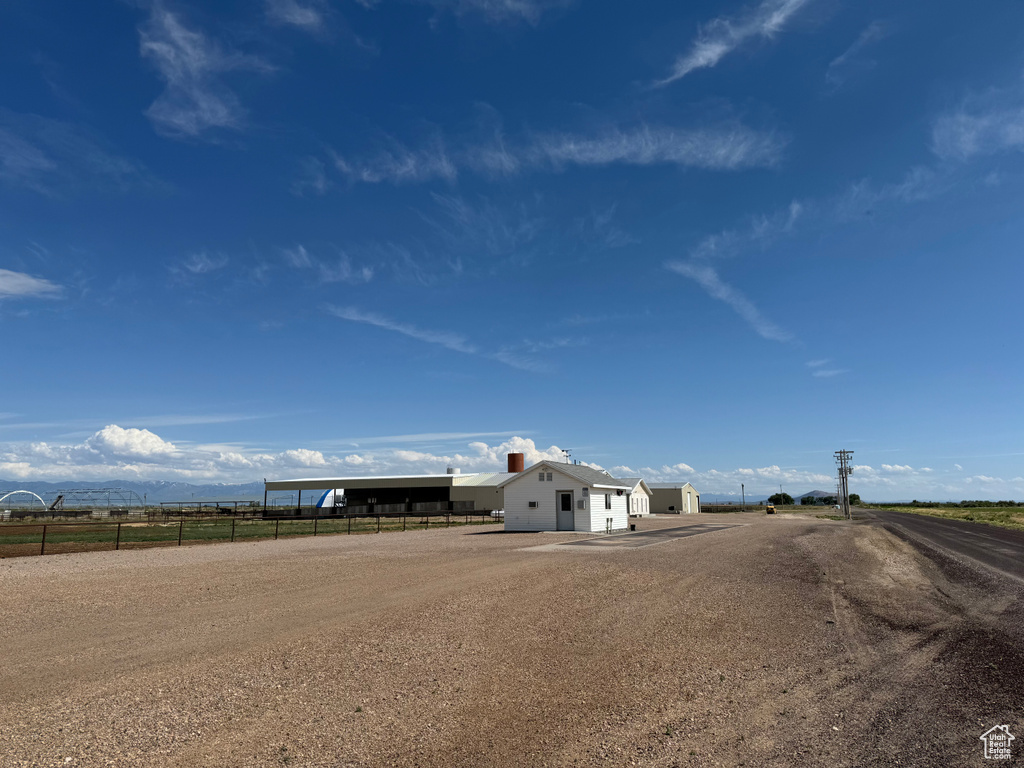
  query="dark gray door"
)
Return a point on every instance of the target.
[{"x": 564, "y": 521}]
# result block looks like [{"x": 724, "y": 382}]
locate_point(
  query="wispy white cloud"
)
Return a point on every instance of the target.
[
  {"x": 308, "y": 16},
  {"x": 18, "y": 285},
  {"x": 492, "y": 11},
  {"x": 200, "y": 263},
  {"x": 984, "y": 124},
  {"x": 864, "y": 198},
  {"x": 707, "y": 278},
  {"x": 821, "y": 369},
  {"x": 722, "y": 148},
  {"x": 726, "y": 147},
  {"x": 398, "y": 164},
  {"x": 54, "y": 157},
  {"x": 453, "y": 341},
  {"x": 192, "y": 65},
  {"x": 510, "y": 356},
  {"x": 723, "y": 35},
  {"x": 312, "y": 178},
  {"x": 338, "y": 270},
  {"x": 852, "y": 61}
]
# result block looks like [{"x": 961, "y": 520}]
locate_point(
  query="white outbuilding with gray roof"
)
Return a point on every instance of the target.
[{"x": 550, "y": 496}]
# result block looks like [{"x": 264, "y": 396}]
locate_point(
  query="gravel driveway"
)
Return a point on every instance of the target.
[{"x": 783, "y": 641}]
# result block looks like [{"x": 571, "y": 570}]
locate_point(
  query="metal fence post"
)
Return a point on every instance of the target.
[
  {"x": 277, "y": 527},
  {"x": 315, "y": 521},
  {"x": 117, "y": 542},
  {"x": 233, "y": 528},
  {"x": 448, "y": 520},
  {"x": 181, "y": 528},
  {"x": 427, "y": 526},
  {"x": 349, "y": 524},
  {"x": 42, "y": 545},
  {"x": 403, "y": 523},
  {"x": 378, "y": 523}
]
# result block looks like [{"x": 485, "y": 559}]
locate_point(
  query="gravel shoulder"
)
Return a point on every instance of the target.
[{"x": 783, "y": 641}]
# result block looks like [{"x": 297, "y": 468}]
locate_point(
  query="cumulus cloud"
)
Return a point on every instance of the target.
[
  {"x": 723, "y": 35},
  {"x": 192, "y": 66},
  {"x": 18, "y": 285},
  {"x": 116, "y": 452},
  {"x": 130, "y": 453}
]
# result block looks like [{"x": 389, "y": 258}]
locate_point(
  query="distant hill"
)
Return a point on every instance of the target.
[
  {"x": 152, "y": 491},
  {"x": 815, "y": 494}
]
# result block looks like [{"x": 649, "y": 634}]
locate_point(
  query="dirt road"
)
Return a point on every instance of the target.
[{"x": 782, "y": 641}]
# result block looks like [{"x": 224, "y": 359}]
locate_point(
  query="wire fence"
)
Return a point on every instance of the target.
[{"x": 27, "y": 539}]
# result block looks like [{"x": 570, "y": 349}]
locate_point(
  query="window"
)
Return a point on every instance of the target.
[
  {"x": 549, "y": 477},
  {"x": 586, "y": 491},
  {"x": 533, "y": 505},
  {"x": 607, "y": 501},
  {"x": 541, "y": 477}
]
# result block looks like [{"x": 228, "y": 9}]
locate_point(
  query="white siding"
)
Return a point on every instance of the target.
[
  {"x": 599, "y": 514},
  {"x": 526, "y": 488},
  {"x": 639, "y": 502}
]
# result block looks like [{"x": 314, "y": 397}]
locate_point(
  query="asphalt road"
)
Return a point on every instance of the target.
[
  {"x": 646, "y": 538},
  {"x": 999, "y": 549}
]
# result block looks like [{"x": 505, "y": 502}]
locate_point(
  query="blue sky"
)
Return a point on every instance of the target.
[{"x": 710, "y": 241}]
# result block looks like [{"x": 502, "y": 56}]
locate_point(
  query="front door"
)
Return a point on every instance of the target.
[{"x": 564, "y": 521}]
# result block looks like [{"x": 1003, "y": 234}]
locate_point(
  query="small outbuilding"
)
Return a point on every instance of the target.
[
  {"x": 674, "y": 498},
  {"x": 550, "y": 496},
  {"x": 638, "y": 500}
]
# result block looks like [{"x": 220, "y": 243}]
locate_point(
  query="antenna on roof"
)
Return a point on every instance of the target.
[{"x": 567, "y": 452}]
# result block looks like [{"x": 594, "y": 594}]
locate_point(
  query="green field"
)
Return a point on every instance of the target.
[
  {"x": 1005, "y": 517},
  {"x": 17, "y": 539}
]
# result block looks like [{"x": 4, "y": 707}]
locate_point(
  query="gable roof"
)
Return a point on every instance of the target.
[
  {"x": 595, "y": 478},
  {"x": 633, "y": 482},
  {"x": 671, "y": 486}
]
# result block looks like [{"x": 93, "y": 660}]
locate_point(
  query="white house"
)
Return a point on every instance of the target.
[
  {"x": 638, "y": 500},
  {"x": 550, "y": 496}
]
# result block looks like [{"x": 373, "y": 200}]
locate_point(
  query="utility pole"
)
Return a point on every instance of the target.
[
  {"x": 743, "y": 493},
  {"x": 844, "y": 470}
]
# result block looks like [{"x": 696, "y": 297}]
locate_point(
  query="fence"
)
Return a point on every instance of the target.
[{"x": 22, "y": 539}]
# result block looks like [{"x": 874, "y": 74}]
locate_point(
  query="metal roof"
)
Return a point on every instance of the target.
[
  {"x": 483, "y": 479},
  {"x": 475, "y": 479},
  {"x": 669, "y": 486},
  {"x": 586, "y": 475}
]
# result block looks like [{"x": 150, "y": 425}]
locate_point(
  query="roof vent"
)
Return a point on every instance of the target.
[{"x": 454, "y": 471}]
